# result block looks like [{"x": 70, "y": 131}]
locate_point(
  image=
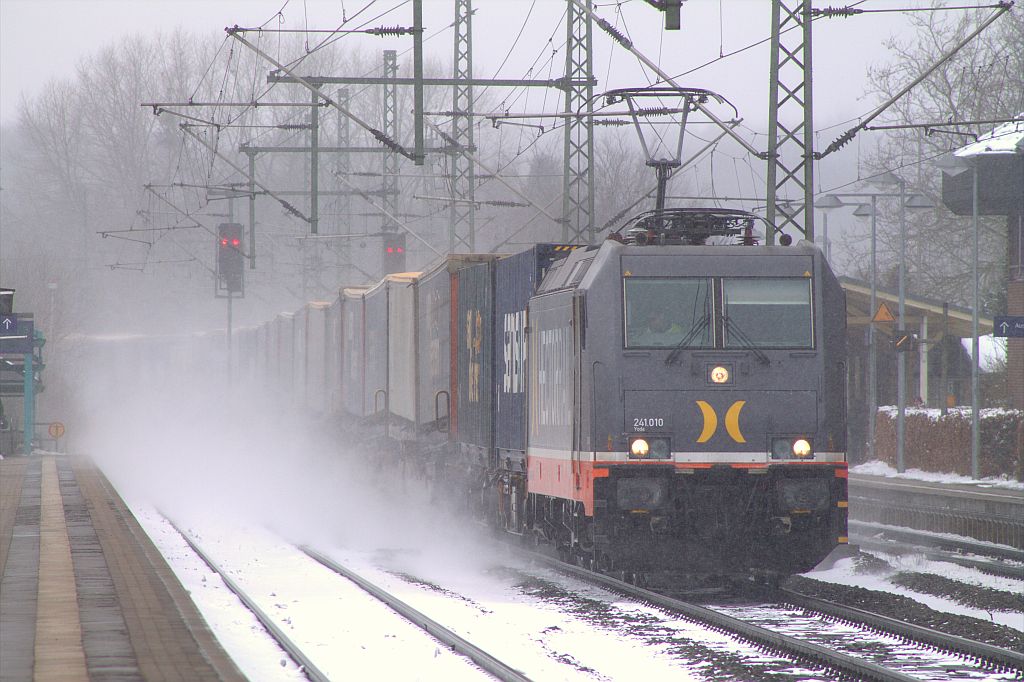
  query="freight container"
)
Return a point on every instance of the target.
[
  {"x": 332, "y": 358},
  {"x": 244, "y": 342},
  {"x": 433, "y": 323},
  {"x": 263, "y": 353},
  {"x": 473, "y": 298},
  {"x": 353, "y": 369},
  {"x": 315, "y": 370},
  {"x": 375, "y": 344},
  {"x": 299, "y": 327},
  {"x": 285, "y": 352},
  {"x": 402, "y": 357},
  {"x": 434, "y": 348},
  {"x": 517, "y": 278}
]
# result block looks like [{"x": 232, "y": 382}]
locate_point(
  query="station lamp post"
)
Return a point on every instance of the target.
[{"x": 914, "y": 201}]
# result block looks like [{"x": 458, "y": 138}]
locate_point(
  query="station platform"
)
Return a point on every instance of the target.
[
  {"x": 974, "y": 510},
  {"x": 84, "y": 593}
]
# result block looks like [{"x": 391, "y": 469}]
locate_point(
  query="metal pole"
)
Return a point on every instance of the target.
[
  {"x": 975, "y": 425},
  {"x": 314, "y": 164},
  {"x": 230, "y": 218},
  {"x": 417, "y": 66},
  {"x": 872, "y": 335},
  {"x": 901, "y": 357},
  {"x": 30, "y": 402},
  {"x": 944, "y": 406},
  {"x": 229, "y": 337},
  {"x": 252, "y": 210}
]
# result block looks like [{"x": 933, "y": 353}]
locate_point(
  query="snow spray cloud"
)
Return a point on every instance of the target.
[{"x": 167, "y": 430}]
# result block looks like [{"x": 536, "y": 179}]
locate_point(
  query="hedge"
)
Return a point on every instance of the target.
[{"x": 942, "y": 444}]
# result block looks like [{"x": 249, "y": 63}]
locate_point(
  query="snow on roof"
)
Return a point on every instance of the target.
[{"x": 1008, "y": 138}]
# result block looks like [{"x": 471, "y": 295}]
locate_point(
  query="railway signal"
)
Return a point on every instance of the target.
[
  {"x": 393, "y": 252},
  {"x": 230, "y": 259}
]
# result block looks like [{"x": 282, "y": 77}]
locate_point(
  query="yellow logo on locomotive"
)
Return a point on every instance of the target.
[{"x": 732, "y": 421}]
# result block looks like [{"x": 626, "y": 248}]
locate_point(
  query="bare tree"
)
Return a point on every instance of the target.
[{"x": 984, "y": 81}]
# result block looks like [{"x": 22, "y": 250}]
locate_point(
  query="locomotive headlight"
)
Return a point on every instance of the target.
[
  {"x": 802, "y": 448},
  {"x": 639, "y": 447},
  {"x": 720, "y": 375}
]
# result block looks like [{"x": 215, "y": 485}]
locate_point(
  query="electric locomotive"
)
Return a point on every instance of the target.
[{"x": 685, "y": 402}]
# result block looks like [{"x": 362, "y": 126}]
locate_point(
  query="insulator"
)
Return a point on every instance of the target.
[
  {"x": 384, "y": 31},
  {"x": 833, "y": 12},
  {"x": 614, "y": 33},
  {"x": 653, "y": 111}
]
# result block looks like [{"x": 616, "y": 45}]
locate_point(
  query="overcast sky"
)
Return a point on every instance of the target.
[{"x": 44, "y": 39}]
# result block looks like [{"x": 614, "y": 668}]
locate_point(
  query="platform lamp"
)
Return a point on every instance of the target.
[
  {"x": 955, "y": 165},
  {"x": 887, "y": 179},
  {"x": 827, "y": 204}
]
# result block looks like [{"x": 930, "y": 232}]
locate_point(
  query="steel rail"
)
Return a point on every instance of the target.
[
  {"x": 832, "y": 660},
  {"x": 483, "y": 659},
  {"x": 1009, "y": 660},
  {"x": 994, "y": 567},
  {"x": 308, "y": 668},
  {"x": 932, "y": 539}
]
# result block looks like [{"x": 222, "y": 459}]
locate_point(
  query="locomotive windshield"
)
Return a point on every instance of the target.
[
  {"x": 669, "y": 312},
  {"x": 681, "y": 312},
  {"x": 767, "y": 312}
]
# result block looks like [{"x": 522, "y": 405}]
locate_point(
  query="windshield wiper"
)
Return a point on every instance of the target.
[
  {"x": 734, "y": 329},
  {"x": 701, "y": 325}
]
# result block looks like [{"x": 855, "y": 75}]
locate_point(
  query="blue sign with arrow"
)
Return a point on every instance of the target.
[
  {"x": 16, "y": 335},
  {"x": 1008, "y": 326}
]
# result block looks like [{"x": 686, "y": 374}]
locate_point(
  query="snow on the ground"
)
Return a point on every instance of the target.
[
  {"x": 352, "y": 636},
  {"x": 878, "y": 468},
  {"x": 346, "y": 633},
  {"x": 514, "y": 624},
  {"x": 241, "y": 635},
  {"x": 844, "y": 572}
]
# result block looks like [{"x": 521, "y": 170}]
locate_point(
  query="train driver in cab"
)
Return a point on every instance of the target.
[{"x": 659, "y": 331}]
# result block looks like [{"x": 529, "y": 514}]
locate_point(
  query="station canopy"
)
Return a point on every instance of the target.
[{"x": 918, "y": 308}]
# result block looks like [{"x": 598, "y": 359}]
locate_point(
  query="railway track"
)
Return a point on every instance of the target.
[
  {"x": 458, "y": 644},
  {"x": 991, "y": 657},
  {"x": 998, "y": 561},
  {"x": 918, "y": 652},
  {"x": 277, "y": 634}
]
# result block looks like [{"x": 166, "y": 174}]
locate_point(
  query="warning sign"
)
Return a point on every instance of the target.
[{"x": 883, "y": 314}]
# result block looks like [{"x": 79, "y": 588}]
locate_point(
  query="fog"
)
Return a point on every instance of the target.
[{"x": 108, "y": 212}]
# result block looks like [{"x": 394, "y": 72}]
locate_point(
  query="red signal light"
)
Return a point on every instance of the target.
[
  {"x": 236, "y": 241},
  {"x": 391, "y": 249},
  {"x": 223, "y": 242}
]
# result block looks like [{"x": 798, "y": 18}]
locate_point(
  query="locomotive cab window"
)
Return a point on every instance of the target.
[
  {"x": 767, "y": 312},
  {"x": 669, "y": 312}
]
